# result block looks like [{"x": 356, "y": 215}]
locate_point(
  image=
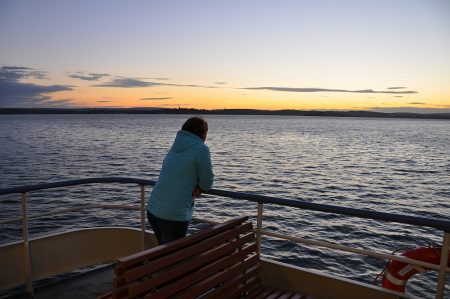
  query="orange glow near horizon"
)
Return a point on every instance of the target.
[
  {"x": 232, "y": 98},
  {"x": 224, "y": 96}
]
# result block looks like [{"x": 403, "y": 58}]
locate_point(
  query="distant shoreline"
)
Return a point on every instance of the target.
[{"x": 223, "y": 112}]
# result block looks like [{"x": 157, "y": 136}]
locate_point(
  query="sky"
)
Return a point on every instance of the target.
[{"x": 379, "y": 55}]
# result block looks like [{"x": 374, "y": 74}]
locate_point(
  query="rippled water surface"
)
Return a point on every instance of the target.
[{"x": 390, "y": 165}]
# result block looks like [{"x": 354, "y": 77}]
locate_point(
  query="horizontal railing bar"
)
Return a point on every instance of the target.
[
  {"x": 60, "y": 211},
  {"x": 440, "y": 224},
  {"x": 354, "y": 250},
  {"x": 37, "y": 187}
]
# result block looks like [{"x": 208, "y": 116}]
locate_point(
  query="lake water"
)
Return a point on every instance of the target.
[{"x": 390, "y": 165}]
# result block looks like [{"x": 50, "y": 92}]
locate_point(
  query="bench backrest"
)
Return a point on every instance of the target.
[{"x": 220, "y": 261}]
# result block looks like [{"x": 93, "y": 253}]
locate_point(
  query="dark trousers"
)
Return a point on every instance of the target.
[{"x": 167, "y": 230}]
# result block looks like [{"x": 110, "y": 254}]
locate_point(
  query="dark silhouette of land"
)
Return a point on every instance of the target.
[{"x": 222, "y": 112}]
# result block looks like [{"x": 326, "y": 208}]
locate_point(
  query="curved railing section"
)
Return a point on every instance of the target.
[{"x": 440, "y": 224}]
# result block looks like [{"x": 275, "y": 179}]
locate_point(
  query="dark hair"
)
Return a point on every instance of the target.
[{"x": 196, "y": 125}]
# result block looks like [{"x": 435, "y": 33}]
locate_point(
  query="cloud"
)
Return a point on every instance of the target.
[
  {"x": 127, "y": 83},
  {"x": 154, "y": 99},
  {"x": 14, "y": 93},
  {"x": 400, "y": 87},
  {"x": 292, "y": 89},
  {"x": 191, "y": 85},
  {"x": 15, "y": 73},
  {"x": 87, "y": 77},
  {"x": 103, "y": 101},
  {"x": 57, "y": 103},
  {"x": 123, "y": 82},
  {"x": 416, "y": 103},
  {"x": 220, "y": 83}
]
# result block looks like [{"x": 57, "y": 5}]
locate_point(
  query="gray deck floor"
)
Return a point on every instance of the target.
[{"x": 88, "y": 285}]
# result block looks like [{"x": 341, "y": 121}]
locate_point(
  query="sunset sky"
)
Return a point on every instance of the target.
[{"x": 379, "y": 55}]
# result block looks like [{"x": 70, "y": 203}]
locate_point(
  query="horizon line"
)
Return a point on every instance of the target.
[{"x": 223, "y": 111}]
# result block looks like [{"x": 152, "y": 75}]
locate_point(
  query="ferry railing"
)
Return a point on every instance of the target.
[{"x": 439, "y": 224}]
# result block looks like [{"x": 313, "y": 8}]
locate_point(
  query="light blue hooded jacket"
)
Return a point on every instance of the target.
[{"x": 186, "y": 165}]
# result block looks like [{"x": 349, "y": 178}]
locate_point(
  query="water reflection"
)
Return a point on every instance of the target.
[{"x": 380, "y": 164}]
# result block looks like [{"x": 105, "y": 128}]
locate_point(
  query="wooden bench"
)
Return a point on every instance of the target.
[{"x": 221, "y": 261}]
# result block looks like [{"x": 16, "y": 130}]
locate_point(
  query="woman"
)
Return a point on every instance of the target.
[{"x": 186, "y": 172}]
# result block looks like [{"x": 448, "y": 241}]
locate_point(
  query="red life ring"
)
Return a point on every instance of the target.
[{"x": 397, "y": 273}]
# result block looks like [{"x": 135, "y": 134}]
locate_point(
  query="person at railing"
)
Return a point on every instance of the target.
[{"x": 186, "y": 172}]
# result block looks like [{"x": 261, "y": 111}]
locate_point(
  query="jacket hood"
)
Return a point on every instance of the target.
[{"x": 185, "y": 140}]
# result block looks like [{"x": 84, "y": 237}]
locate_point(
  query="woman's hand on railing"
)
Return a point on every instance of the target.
[{"x": 197, "y": 192}]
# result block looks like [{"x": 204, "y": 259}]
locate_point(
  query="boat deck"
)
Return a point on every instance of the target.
[
  {"x": 81, "y": 286},
  {"x": 27, "y": 260},
  {"x": 95, "y": 283}
]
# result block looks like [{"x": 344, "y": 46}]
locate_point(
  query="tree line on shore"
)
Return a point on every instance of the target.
[{"x": 286, "y": 112}]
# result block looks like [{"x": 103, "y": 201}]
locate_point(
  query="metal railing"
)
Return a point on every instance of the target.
[{"x": 442, "y": 225}]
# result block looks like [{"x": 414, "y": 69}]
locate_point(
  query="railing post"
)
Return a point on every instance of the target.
[
  {"x": 259, "y": 226},
  {"x": 26, "y": 246},
  {"x": 444, "y": 258},
  {"x": 143, "y": 217}
]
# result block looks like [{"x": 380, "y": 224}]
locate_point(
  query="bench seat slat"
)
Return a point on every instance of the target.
[
  {"x": 249, "y": 286},
  {"x": 266, "y": 292},
  {"x": 256, "y": 293},
  {"x": 274, "y": 294},
  {"x": 234, "y": 285},
  {"x": 285, "y": 295}
]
